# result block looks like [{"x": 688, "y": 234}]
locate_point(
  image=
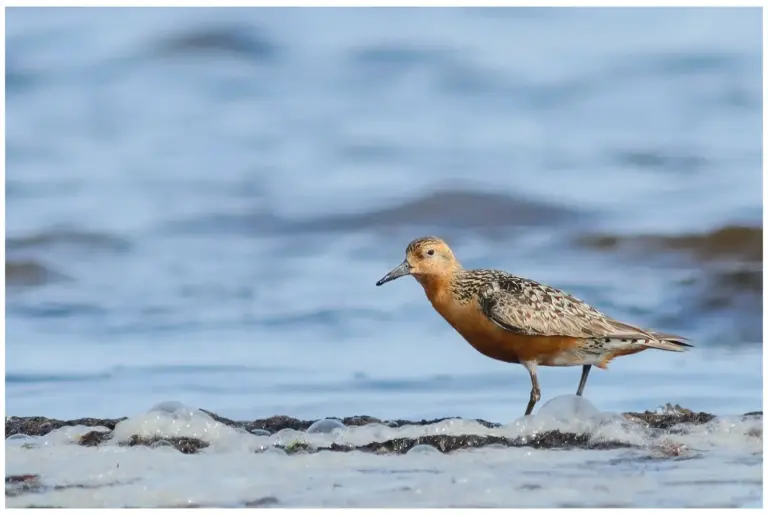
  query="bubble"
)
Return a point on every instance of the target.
[
  {"x": 567, "y": 408},
  {"x": 18, "y": 436},
  {"x": 260, "y": 432},
  {"x": 23, "y": 441},
  {"x": 177, "y": 411},
  {"x": 422, "y": 448},
  {"x": 287, "y": 435},
  {"x": 327, "y": 425},
  {"x": 361, "y": 435},
  {"x": 172, "y": 419},
  {"x": 69, "y": 434},
  {"x": 161, "y": 443}
]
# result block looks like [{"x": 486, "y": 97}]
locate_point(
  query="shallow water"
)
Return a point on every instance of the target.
[
  {"x": 661, "y": 469},
  {"x": 199, "y": 204}
]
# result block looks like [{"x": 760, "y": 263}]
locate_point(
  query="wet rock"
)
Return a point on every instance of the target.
[
  {"x": 29, "y": 273},
  {"x": 223, "y": 420},
  {"x": 38, "y": 426},
  {"x": 664, "y": 419},
  {"x": 94, "y": 438},
  {"x": 364, "y": 420},
  {"x": 400, "y": 423},
  {"x": 449, "y": 443},
  {"x": 35, "y": 426},
  {"x": 276, "y": 423},
  {"x": 297, "y": 447},
  {"x": 181, "y": 444},
  {"x": 22, "y": 484},
  {"x": 669, "y": 416},
  {"x": 741, "y": 243}
]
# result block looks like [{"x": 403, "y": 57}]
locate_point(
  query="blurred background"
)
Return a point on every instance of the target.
[{"x": 199, "y": 202}]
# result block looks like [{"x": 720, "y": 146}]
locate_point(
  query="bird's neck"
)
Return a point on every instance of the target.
[{"x": 437, "y": 287}]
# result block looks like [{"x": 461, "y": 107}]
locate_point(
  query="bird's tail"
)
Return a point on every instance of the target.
[
  {"x": 627, "y": 339},
  {"x": 650, "y": 339}
]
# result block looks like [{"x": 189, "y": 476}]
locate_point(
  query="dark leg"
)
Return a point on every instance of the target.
[
  {"x": 583, "y": 381},
  {"x": 535, "y": 390}
]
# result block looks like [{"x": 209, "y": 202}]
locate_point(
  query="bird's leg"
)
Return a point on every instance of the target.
[
  {"x": 535, "y": 390},
  {"x": 583, "y": 382}
]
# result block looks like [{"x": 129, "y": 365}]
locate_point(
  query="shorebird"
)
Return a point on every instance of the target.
[{"x": 518, "y": 320}]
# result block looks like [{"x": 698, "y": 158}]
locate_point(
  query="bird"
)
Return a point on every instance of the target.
[{"x": 517, "y": 320}]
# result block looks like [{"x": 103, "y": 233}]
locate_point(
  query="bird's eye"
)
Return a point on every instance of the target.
[{"x": 431, "y": 252}]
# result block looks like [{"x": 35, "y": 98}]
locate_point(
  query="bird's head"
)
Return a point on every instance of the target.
[{"x": 425, "y": 258}]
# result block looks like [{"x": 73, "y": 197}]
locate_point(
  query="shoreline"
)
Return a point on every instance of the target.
[
  {"x": 671, "y": 434},
  {"x": 663, "y": 421}
]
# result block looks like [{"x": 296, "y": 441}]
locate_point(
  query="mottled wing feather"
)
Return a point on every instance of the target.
[{"x": 527, "y": 307}]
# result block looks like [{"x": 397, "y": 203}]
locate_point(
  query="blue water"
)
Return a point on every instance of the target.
[{"x": 199, "y": 202}]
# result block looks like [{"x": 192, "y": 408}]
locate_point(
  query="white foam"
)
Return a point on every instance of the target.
[
  {"x": 66, "y": 435},
  {"x": 175, "y": 420},
  {"x": 230, "y": 471},
  {"x": 720, "y": 433}
]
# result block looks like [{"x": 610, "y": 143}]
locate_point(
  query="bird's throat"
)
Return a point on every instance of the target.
[{"x": 436, "y": 286}]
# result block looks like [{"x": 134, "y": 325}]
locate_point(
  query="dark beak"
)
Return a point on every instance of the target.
[{"x": 403, "y": 269}]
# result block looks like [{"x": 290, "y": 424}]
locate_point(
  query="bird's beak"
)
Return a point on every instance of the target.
[{"x": 402, "y": 269}]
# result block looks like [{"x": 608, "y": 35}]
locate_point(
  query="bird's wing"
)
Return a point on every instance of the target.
[{"x": 527, "y": 307}]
